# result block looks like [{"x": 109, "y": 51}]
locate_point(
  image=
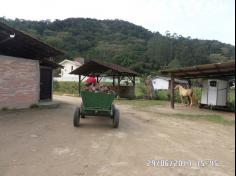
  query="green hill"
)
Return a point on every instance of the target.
[{"x": 124, "y": 43}]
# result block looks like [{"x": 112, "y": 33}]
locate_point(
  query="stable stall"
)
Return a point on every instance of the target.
[
  {"x": 215, "y": 81},
  {"x": 214, "y": 92},
  {"x": 103, "y": 69}
]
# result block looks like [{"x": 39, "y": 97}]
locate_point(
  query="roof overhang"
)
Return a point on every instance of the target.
[
  {"x": 203, "y": 71},
  {"x": 18, "y": 44},
  {"x": 51, "y": 64},
  {"x": 99, "y": 68}
]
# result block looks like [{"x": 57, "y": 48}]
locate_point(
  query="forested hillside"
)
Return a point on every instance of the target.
[{"x": 124, "y": 43}]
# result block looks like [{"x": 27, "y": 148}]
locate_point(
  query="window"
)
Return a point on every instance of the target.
[{"x": 213, "y": 83}]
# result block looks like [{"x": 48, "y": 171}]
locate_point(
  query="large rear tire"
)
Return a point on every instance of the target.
[
  {"x": 82, "y": 115},
  {"x": 116, "y": 118},
  {"x": 76, "y": 117}
]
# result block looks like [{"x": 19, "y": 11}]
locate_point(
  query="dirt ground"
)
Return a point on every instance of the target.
[{"x": 43, "y": 142}]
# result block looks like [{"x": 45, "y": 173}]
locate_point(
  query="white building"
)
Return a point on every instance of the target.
[
  {"x": 163, "y": 83},
  {"x": 69, "y": 66}
]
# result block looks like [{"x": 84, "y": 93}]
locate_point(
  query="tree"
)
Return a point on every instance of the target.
[{"x": 124, "y": 43}]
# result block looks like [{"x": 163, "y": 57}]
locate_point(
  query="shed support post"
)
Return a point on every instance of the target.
[
  {"x": 113, "y": 83},
  {"x": 119, "y": 85},
  {"x": 172, "y": 94},
  {"x": 134, "y": 81},
  {"x": 133, "y": 95},
  {"x": 189, "y": 84},
  {"x": 79, "y": 84}
]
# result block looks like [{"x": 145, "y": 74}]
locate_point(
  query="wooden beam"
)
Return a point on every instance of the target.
[
  {"x": 209, "y": 75},
  {"x": 172, "y": 93},
  {"x": 199, "y": 70},
  {"x": 130, "y": 78},
  {"x": 217, "y": 67},
  {"x": 83, "y": 78},
  {"x": 100, "y": 79}
]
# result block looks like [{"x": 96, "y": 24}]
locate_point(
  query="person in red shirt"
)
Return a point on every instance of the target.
[{"x": 91, "y": 80}]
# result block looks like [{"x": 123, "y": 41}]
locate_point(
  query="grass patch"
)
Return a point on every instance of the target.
[
  {"x": 4, "y": 109},
  {"x": 65, "y": 94},
  {"x": 208, "y": 117},
  {"x": 139, "y": 103},
  {"x": 34, "y": 106},
  {"x": 66, "y": 87},
  {"x": 142, "y": 104}
]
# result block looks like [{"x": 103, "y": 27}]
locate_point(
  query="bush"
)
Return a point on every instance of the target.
[
  {"x": 140, "y": 90},
  {"x": 162, "y": 95},
  {"x": 178, "y": 99},
  {"x": 68, "y": 87},
  {"x": 231, "y": 99},
  {"x": 197, "y": 92},
  {"x": 165, "y": 95}
]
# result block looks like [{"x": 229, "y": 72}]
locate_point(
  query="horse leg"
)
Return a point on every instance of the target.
[
  {"x": 187, "y": 103},
  {"x": 182, "y": 102},
  {"x": 191, "y": 101}
]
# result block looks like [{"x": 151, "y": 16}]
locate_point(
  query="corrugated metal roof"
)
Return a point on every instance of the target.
[
  {"x": 168, "y": 79},
  {"x": 18, "y": 44},
  {"x": 202, "y": 71}
]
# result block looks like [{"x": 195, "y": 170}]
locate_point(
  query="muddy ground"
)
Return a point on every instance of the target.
[{"x": 43, "y": 142}]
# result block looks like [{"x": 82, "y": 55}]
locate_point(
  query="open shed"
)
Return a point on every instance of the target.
[
  {"x": 26, "y": 66},
  {"x": 102, "y": 69},
  {"x": 216, "y": 70}
]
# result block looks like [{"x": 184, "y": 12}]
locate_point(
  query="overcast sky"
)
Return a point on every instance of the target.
[{"x": 203, "y": 19}]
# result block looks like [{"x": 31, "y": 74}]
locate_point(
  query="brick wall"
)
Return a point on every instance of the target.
[{"x": 19, "y": 82}]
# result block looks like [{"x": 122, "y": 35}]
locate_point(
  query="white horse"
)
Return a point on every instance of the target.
[{"x": 185, "y": 93}]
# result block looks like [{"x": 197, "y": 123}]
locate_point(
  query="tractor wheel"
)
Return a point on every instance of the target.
[
  {"x": 76, "y": 117},
  {"x": 116, "y": 118}
]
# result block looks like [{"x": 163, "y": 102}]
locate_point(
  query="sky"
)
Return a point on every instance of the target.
[{"x": 202, "y": 19}]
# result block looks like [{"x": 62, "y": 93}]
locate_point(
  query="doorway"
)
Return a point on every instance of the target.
[{"x": 45, "y": 83}]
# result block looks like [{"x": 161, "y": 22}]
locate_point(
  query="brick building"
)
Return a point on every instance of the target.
[{"x": 26, "y": 66}]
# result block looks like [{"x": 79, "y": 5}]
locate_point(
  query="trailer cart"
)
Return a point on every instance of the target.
[{"x": 97, "y": 104}]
